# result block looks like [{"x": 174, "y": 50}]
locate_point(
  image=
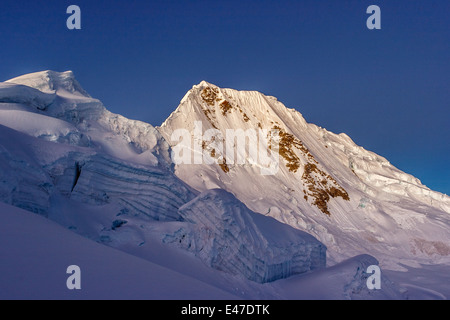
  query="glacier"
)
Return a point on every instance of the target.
[{"x": 66, "y": 157}]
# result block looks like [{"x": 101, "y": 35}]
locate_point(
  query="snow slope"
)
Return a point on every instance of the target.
[
  {"x": 351, "y": 199},
  {"x": 344, "y": 281},
  {"x": 36, "y": 253}
]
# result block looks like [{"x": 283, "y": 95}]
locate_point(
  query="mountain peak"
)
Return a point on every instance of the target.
[
  {"x": 225, "y": 108},
  {"x": 51, "y": 81},
  {"x": 204, "y": 83}
]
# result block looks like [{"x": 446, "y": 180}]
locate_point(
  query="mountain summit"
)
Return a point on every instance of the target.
[{"x": 51, "y": 81}]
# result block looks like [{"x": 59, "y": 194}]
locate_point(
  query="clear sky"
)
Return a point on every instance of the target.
[{"x": 388, "y": 89}]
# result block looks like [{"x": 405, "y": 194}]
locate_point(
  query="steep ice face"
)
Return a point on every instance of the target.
[
  {"x": 351, "y": 199},
  {"x": 228, "y": 236}
]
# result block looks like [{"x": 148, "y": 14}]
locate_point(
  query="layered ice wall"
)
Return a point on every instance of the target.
[
  {"x": 228, "y": 236},
  {"x": 145, "y": 191}
]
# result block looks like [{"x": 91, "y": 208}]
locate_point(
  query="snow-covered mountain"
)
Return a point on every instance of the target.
[
  {"x": 64, "y": 156},
  {"x": 315, "y": 200},
  {"x": 351, "y": 199}
]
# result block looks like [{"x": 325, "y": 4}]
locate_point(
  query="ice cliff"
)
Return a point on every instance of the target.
[{"x": 228, "y": 236}]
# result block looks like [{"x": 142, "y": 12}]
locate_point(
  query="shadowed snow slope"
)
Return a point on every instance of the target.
[{"x": 36, "y": 253}]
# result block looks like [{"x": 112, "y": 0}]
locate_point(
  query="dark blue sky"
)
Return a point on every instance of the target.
[{"x": 388, "y": 89}]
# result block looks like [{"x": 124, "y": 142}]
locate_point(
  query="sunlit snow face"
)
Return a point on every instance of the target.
[{"x": 255, "y": 147}]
